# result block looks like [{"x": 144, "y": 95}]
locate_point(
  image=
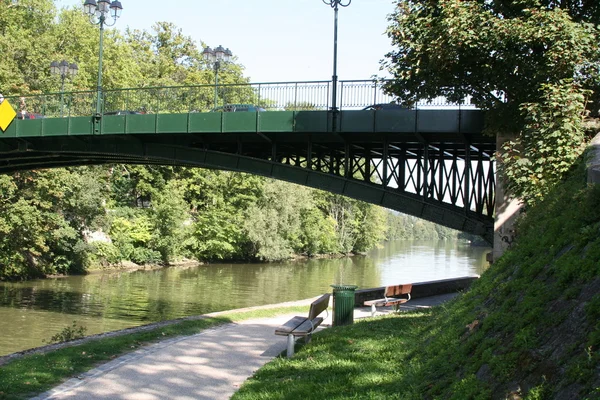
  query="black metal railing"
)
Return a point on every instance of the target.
[{"x": 272, "y": 96}]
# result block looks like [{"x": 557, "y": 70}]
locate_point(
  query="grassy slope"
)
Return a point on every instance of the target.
[{"x": 528, "y": 329}]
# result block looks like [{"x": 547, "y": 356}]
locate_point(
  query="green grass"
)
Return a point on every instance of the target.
[
  {"x": 358, "y": 361},
  {"x": 33, "y": 374},
  {"x": 528, "y": 327}
]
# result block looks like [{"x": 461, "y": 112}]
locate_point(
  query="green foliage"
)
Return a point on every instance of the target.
[
  {"x": 42, "y": 224},
  {"x": 301, "y": 106},
  {"x": 69, "y": 333},
  {"x": 402, "y": 226},
  {"x": 157, "y": 215},
  {"x": 317, "y": 232},
  {"x": 372, "y": 227},
  {"x": 169, "y": 213},
  {"x": 272, "y": 224},
  {"x": 104, "y": 254},
  {"x": 551, "y": 141},
  {"x": 529, "y": 63}
]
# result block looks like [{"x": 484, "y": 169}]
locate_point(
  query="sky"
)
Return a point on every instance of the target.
[{"x": 275, "y": 40}]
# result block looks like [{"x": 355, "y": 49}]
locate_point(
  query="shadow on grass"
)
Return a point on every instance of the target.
[{"x": 368, "y": 359}]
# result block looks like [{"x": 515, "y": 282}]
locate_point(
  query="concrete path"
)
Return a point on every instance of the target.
[{"x": 209, "y": 365}]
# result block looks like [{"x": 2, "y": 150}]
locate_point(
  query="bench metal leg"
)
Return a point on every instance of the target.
[
  {"x": 373, "y": 310},
  {"x": 290, "y": 345}
]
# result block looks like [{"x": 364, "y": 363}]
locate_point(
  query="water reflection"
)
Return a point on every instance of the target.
[{"x": 34, "y": 311}]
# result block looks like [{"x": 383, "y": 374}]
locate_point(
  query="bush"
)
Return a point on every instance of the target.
[
  {"x": 142, "y": 255},
  {"x": 105, "y": 254},
  {"x": 69, "y": 333}
]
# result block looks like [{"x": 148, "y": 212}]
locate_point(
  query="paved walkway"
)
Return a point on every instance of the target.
[{"x": 209, "y": 365}]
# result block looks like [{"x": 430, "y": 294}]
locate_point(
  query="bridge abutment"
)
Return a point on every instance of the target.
[
  {"x": 507, "y": 209},
  {"x": 593, "y": 161}
]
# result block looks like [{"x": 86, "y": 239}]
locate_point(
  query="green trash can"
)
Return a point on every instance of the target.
[{"x": 343, "y": 304}]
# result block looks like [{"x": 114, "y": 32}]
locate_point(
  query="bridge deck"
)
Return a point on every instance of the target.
[{"x": 400, "y": 121}]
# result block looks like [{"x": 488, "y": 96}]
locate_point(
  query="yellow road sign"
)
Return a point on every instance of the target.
[{"x": 7, "y": 114}]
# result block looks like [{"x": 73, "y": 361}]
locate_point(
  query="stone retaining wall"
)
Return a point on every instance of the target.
[{"x": 419, "y": 289}]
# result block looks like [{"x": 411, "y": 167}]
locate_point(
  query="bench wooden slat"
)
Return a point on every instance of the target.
[
  {"x": 389, "y": 300},
  {"x": 306, "y": 327},
  {"x": 397, "y": 290},
  {"x": 318, "y": 306},
  {"x": 384, "y": 302},
  {"x": 290, "y": 325}
]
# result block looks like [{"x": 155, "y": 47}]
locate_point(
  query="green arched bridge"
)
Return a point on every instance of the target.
[{"x": 431, "y": 161}]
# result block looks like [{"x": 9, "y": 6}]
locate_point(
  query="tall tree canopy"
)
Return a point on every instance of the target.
[{"x": 508, "y": 56}]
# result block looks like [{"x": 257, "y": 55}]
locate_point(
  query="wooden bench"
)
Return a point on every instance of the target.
[
  {"x": 391, "y": 298},
  {"x": 304, "y": 326}
]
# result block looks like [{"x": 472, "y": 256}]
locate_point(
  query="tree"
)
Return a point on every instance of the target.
[
  {"x": 502, "y": 54},
  {"x": 219, "y": 201},
  {"x": 26, "y": 40},
  {"x": 273, "y": 224},
  {"x": 169, "y": 215}
]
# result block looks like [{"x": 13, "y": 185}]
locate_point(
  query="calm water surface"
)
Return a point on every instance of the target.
[{"x": 31, "y": 312}]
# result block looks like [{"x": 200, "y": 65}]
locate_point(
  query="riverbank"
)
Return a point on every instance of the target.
[
  {"x": 130, "y": 266},
  {"x": 27, "y": 373},
  {"x": 249, "y": 312},
  {"x": 210, "y": 364},
  {"x": 33, "y": 312}
]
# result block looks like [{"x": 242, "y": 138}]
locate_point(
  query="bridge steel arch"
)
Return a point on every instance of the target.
[{"x": 434, "y": 165}]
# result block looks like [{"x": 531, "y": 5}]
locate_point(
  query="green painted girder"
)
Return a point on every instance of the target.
[
  {"x": 264, "y": 143},
  {"x": 398, "y": 121},
  {"x": 99, "y": 151}
]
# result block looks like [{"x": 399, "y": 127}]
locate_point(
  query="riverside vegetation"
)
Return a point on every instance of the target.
[
  {"x": 158, "y": 215},
  {"x": 528, "y": 329}
]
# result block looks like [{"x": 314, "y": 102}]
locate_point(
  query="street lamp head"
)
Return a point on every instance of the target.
[
  {"x": 220, "y": 53},
  {"x": 216, "y": 56},
  {"x": 63, "y": 68},
  {"x": 116, "y": 9},
  {"x": 73, "y": 69},
  {"x": 208, "y": 55},
  {"x": 103, "y": 6},
  {"x": 336, "y": 3},
  {"x": 90, "y": 7},
  {"x": 228, "y": 55},
  {"x": 54, "y": 69}
]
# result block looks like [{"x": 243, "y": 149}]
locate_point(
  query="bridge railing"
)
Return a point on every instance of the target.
[{"x": 295, "y": 96}]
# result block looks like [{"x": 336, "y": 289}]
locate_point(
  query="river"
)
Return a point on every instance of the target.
[{"x": 32, "y": 312}]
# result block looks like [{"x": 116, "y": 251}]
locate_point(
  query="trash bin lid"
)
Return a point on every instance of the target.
[{"x": 344, "y": 287}]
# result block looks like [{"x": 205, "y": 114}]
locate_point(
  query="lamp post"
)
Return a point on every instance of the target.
[
  {"x": 334, "y": 4},
  {"x": 215, "y": 57},
  {"x": 98, "y": 13},
  {"x": 63, "y": 69}
]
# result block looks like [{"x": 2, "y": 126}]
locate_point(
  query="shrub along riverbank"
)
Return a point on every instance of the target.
[{"x": 529, "y": 328}]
